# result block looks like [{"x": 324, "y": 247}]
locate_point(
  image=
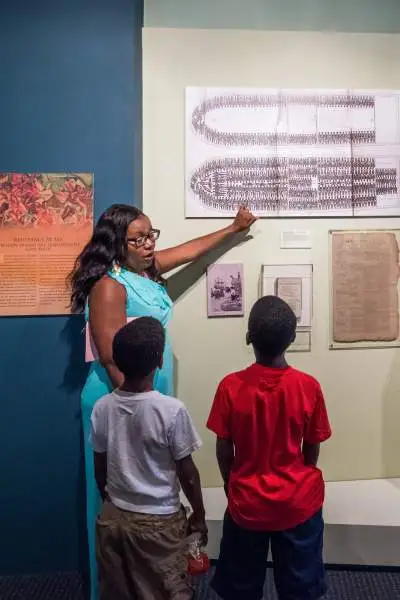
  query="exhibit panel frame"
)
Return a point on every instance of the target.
[
  {"x": 296, "y": 153},
  {"x": 46, "y": 219},
  {"x": 225, "y": 290},
  {"x": 294, "y": 284},
  {"x": 364, "y": 290}
]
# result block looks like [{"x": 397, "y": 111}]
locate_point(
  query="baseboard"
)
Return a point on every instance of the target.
[
  {"x": 334, "y": 567},
  {"x": 362, "y": 524},
  {"x": 363, "y": 568}
]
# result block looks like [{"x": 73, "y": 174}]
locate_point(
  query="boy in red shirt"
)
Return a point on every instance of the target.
[{"x": 270, "y": 420}]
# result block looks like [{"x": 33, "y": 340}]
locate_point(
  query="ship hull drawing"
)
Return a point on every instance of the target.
[
  {"x": 294, "y": 153},
  {"x": 312, "y": 111},
  {"x": 307, "y": 184}
]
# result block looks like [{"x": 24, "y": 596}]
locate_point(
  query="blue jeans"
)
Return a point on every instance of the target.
[{"x": 297, "y": 561}]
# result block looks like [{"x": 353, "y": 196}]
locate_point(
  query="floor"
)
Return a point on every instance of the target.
[{"x": 343, "y": 585}]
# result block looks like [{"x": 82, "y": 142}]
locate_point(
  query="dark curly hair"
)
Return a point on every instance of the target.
[
  {"x": 272, "y": 326},
  {"x": 138, "y": 347},
  {"x": 107, "y": 246}
]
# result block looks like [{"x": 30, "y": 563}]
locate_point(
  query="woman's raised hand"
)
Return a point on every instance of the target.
[{"x": 243, "y": 220}]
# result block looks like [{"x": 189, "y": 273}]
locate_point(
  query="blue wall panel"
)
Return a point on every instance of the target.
[{"x": 70, "y": 81}]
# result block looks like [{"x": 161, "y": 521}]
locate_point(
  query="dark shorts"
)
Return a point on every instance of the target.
[{"x": 297, "y": 561}]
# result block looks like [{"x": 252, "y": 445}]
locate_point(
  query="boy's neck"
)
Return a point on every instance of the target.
[
  {"x": 277, "y": 362},
  {"x": 138, "y": 386}
]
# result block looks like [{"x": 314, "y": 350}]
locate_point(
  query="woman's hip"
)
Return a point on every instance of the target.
[{"x": 97, "y": 385}]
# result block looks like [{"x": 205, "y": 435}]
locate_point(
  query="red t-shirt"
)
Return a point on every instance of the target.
[{"x": 268, "y": 413}]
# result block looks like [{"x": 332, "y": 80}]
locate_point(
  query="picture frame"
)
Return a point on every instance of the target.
[{"x": 225, "y": 290}]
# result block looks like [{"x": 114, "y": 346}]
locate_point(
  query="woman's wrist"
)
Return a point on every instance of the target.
[{"x": 231, "y": 229}]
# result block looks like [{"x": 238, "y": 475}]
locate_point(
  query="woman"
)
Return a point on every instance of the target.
[{"x": 118, "y": 276}]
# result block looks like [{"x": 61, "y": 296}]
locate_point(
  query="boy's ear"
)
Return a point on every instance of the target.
[{"x": 248, "y": 339}]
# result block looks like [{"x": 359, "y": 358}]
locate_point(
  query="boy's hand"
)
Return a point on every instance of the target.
[{"x": 198, "y": 524}]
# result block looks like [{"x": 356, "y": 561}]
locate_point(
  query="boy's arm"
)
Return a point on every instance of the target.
[
  {"x": 317, "y": 430},
  {"x": 311, "y": 454},
  {"x": 184, "y": 440},
  {"x": 219, "y": 421},
  {"x": 100, "y": 472},
  {"x": 225, "y": 458},
  {"x": 98, "y": 440},
  {"x": 189, "y": 479}
]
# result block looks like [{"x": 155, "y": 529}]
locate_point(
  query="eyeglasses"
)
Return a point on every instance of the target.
[{"x": 139, "y": 242}]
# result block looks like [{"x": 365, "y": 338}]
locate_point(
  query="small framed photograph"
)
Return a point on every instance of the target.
[{"x": 225, "y": 290}]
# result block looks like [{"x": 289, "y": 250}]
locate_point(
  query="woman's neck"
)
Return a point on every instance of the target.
[
  {"x": 130, "y": 269},
  {"x": 134, "y": 271}
]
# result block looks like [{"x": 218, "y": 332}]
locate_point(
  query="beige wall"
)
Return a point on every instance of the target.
[{"x": 362, "y": 387}]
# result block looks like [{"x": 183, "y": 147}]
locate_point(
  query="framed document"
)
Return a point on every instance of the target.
[
  {"x": 289, "y": 289},
  {"x": 294, "y": 284}
]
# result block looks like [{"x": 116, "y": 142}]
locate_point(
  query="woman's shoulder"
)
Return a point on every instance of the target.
[{"x": 107, "y": 288}]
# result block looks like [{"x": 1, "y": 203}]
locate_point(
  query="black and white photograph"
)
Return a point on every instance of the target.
[{"x": 225, "y": 290}]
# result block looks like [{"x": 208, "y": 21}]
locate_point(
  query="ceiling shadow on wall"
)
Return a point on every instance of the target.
[{"x": 181, "y": 282}]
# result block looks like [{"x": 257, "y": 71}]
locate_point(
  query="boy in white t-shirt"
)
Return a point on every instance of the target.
[{"x": 143, "y": 442}]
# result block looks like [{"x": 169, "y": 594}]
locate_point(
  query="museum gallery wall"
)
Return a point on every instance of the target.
[{"x": 302, "y": 127}]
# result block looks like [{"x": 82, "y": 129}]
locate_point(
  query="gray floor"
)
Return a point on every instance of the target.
[{"x": 343, "y": 585}]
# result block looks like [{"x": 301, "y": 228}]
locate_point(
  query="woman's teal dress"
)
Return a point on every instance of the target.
[{"x": 144, "y": 298}]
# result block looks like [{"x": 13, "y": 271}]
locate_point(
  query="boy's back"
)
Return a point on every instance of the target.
[
  {"x": 268, "y": 413},
  {"x": 143, "y": 443},
  {"x": 143, "y": 435},
  {"x": 270, "y": 420}
]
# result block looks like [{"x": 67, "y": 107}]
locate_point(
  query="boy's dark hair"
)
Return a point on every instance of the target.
[
  {"x": 272, "y": 326},
  {"x": 138, "y": 347}
]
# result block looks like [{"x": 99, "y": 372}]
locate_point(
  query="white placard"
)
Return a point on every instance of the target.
[
  {"x": 296, "y": 239},
  {"x": 302, "y": 343}
]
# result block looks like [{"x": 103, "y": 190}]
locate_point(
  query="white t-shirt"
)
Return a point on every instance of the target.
[{"x": 143, "y": 435}]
